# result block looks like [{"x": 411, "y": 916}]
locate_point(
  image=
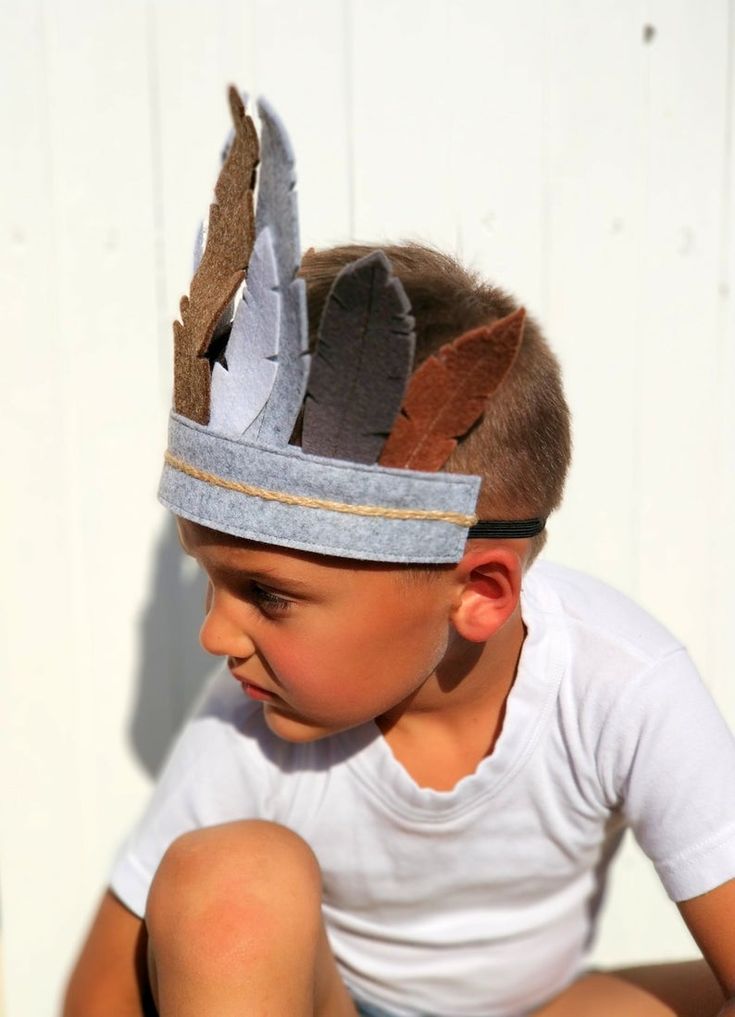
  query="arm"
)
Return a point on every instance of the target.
[
  {"x": 111, "y": 975},
  {"x": 711, "y": 921}
]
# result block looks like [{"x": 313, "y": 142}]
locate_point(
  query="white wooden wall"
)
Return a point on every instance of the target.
[{"x": 579, "y": 152}]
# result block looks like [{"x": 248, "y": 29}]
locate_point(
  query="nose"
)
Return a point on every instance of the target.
[{"x": 222, "y": 633}]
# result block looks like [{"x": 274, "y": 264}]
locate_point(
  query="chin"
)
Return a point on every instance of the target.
[{"x": 295, "y": 729}]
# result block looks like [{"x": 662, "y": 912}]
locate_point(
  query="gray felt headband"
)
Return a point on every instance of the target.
[
  {"x": 282, "y": 496},
  {"x": 363, "y": 483}
]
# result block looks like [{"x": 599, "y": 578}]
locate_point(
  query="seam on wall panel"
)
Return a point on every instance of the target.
[
  {"x": 727, "y": 208},
  {"x": 347, "y": 29},
  {"x": 726, "y": 377},
  {"x": 2, "y": 983},
  {"x": 159, "y": 224}
]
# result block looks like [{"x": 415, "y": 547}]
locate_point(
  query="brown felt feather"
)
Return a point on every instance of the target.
[
  {"x": 222, "y": 268},
  {"x": 448, "y": 394}
]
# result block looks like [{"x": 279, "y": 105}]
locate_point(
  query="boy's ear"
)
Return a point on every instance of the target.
[{"x": 489, "y": 590}]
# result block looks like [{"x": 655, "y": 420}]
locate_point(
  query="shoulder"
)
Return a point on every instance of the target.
[
  {"x": 629, "y": 697},
  {"x": 618, "y": 660},
  {"x": 599, "y": 619}
]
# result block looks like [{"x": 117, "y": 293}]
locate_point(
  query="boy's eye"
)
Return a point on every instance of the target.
[{"x": 267, "y": 600}]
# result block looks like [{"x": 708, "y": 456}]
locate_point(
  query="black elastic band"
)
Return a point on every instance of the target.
[{"x": 500, "y": 528}]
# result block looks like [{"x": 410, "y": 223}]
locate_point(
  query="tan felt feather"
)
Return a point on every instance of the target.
[
  {"x": 449, "y": 392},
  {"x": 222, "y": 268}
]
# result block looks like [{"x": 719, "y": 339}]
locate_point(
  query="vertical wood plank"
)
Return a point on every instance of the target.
[
  {"x": 497, "y": 141},
  {"x": 596, "y": 87},
  {"x": 403, "y": 181},
  {"x": 85, "y": 284},
  {"x": 723, "y": 511},
  {"x": 302, "y": 67},
  {"x": 33, "y": 425},
  {"x": 678, "y": 365}
]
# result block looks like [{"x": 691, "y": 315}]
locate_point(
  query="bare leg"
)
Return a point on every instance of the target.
[
  {"x": 687, "y": 989},
  {"x": 235, "y": 928}
]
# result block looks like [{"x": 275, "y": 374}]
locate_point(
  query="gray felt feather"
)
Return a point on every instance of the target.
[
  {"x": 239, "y": 392},
  {"x": 277, "y": 209},
  {"x": 362, "y": 363}
]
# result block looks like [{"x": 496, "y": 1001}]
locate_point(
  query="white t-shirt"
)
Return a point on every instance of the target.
[{"x": 480, "y": 901}]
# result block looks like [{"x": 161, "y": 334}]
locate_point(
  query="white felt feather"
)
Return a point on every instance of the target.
[
  {"x": 224, "y": 322},
  {"x": 239, "y": 392},
  {"x": 277, "y": 209},
  {"x": 200, "y": 243}
]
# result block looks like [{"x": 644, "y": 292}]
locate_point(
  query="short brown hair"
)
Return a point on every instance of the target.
[{"x": 521, "y": 447}]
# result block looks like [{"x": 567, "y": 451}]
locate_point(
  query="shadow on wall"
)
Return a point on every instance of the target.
[{"x": 173, "y": 668}]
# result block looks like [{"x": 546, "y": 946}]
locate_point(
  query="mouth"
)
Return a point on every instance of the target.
[{"x": 255, "y": 691}]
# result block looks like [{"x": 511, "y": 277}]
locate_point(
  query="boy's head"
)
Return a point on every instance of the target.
[{"x": 311, "y": 478}]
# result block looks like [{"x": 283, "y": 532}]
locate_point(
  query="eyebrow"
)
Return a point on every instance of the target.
[
  {"x": 262, "y": 573},
  {"x": 269, "y": 577}
]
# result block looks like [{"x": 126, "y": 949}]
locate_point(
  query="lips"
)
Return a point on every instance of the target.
[
  {"x": 255, "y": 692},
  {"x": 252, "y": 690}
]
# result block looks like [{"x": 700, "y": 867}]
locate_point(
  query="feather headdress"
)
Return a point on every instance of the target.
[{"x": 364, "y": 481}]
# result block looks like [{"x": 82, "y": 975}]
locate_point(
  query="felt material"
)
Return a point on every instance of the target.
[
  {"x": 201, "y": 239},
  {"x": 448, "y": 394},
  {"x": 277, "y": 203},
  {"x": 277, "y": 209},
  {"x": 221, "y": 270},
  {"x": 362, "y": 362},
  {"x": 240, "y": 390},
  {"x": 230, "y": 465},
  {"x": 321, "y": 530},
  {"x": 224, "y": 322}
]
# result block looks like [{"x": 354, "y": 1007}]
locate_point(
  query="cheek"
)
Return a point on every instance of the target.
[
  {"x": 313, "y": 673},
  {"x": 323, "y": 679},
  {"x": 306, "y": 661},
  {"x": 386, "y": 650},
  {"x": 289, "y": 659},
  {"x": 396, "y": 648},
  {"x": 419, "y": 631}
]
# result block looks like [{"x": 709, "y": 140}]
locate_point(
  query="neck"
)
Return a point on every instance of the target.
[{"x": 452, "y": 722}]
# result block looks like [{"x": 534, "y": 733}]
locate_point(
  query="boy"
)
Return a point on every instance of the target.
[{"x": 412, "y": 807}]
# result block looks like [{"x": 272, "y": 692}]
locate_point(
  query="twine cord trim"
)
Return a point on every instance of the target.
[{"x": 433, "y": 515}]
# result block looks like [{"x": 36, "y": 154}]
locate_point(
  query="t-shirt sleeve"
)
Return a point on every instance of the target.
[
  {"x": 215, "y": 773},
  {"x": 667, "y": 757}
]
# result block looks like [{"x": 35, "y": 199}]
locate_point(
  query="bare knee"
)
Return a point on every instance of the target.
[{"x": 237, "y": 887}]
